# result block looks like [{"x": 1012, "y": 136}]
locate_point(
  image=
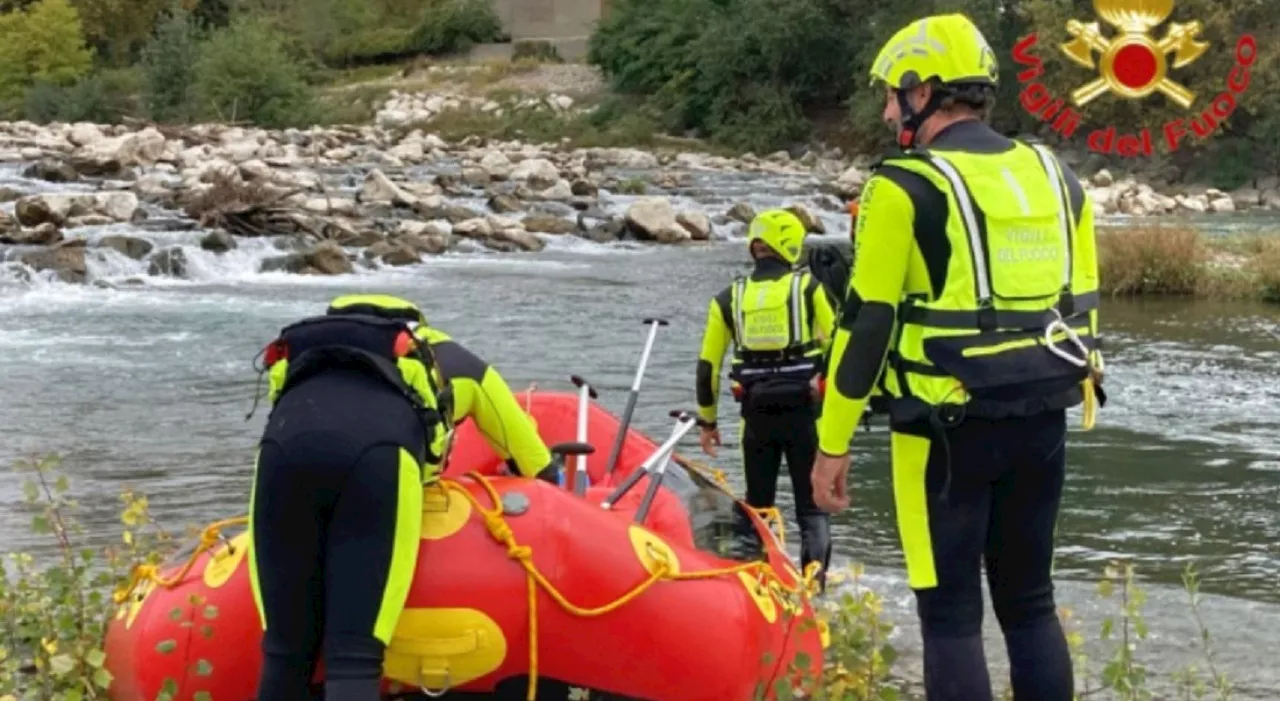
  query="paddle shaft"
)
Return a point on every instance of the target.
[
  {"x": 686, "y": 423},
  {"x": 616, "y": 451},
  {"x": 580, "y": 477},
  {"x": 655, "y": 481}
]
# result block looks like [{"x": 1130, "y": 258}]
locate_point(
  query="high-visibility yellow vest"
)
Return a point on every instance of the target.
[
  {"x": 992, "y": 340},
  {"x": 773, "y": 339}
]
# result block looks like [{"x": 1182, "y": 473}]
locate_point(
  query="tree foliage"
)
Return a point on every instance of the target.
[
  {"x": 757, "y": 72},
  {"x": 42, "y": 44},
  {"x": 245, "y": 72}
]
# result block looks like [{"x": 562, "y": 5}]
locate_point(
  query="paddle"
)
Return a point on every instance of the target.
[
  {"x": 685, "y": 423},
  {"x": 585, "y": 393},
  {"x": 653, "y": 324}
]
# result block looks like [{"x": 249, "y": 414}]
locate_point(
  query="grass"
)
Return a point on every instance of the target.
[
  {"x": 54, "y": 614},
  {"x": 1175, "y": 260}
]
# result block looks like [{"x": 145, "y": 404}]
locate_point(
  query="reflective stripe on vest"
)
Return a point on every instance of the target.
[{"x": 1004, "y": 353}]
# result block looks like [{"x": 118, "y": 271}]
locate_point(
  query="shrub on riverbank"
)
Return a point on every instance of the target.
[
  {"x": 54, "y": 614},
  {"x": 1154, "y": 260}
]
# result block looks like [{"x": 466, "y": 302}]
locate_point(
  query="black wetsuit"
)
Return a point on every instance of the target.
[
  {"x": 330, "y": 471},
  {"x": 1000, "y": 501}
]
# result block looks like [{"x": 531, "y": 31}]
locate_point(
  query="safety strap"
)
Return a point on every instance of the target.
[
  {"x": 1066, "y": 224},
  {"x": 796, "y": 301},
  {"x": 1014, "y": 320}
]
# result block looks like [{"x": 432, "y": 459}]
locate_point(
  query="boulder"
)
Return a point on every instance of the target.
[
  {"x": 741, "y": 212},
  {"x": 131, "y": 246},
  {"x": 169, "y": 262},
  {"x": 218, "y": 241},
  {"x": 67, "y": 262},
  {"x": 548, "y": 224},
  {"x": 538, "y": 172},
  {"x": 653, "y": 219},
  {"x": 51, "y": 171},
  {"x": 43, "y": 235},
  {"x": 696, "y": 223}
]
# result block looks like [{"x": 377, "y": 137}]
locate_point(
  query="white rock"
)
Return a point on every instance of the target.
[
  {"x": 697, "y": 223},
  {"x": 561, "y": 191},
  {"x": 496, "y": 164},
  {"x": 652, "y": 218},
  {"x": 474, "y": 228},
  {"x": 535, "y": 168},
  {"x": 409, "y": 150},
  {"x": 84, "y": 133},
  {"x": 1103, "y": 178},
  {"x": 1222, "y": 203}
]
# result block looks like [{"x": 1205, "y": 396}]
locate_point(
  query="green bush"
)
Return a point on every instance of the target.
[
  {"x": 44, "y": 43},
  {"x": 105, "y": 98},
  {"x": 743, "y": 72},
  {"x": 539, "y": 50},
  {"x": 244, "y": 72},
  {"x": 454, "y": 26},
  {"x": 168, "y": 67}
]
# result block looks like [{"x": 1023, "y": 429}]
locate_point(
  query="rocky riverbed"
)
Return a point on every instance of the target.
[{"x": 388, "y": 194}]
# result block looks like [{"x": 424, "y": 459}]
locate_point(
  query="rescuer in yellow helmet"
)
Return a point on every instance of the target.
[
  {"x": 975, "y": 289},
  {"x": 780, "y": 322}
]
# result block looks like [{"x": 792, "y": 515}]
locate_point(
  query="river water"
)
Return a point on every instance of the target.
[{"x": 147, "y": 386}]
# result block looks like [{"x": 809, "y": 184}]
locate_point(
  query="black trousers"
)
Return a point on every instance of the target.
[
  {"x": 768, "y": 438},
  {"x": 336, "y": 519},
  {"x": 986, "y": 494}
]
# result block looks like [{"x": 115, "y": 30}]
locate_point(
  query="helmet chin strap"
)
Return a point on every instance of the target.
[{"x": 912, "y": 120}]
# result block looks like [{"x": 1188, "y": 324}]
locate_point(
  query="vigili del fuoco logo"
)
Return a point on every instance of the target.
[{"x": 1131, "y": 64}]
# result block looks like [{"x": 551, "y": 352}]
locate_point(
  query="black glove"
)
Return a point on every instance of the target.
[{"x": 551, "y": 473}]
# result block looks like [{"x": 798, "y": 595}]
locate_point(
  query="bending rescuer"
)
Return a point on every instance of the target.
[{"x": 359, "y": 422}]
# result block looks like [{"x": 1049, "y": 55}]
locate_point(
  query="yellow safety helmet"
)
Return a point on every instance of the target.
[
  {"x": 948, "y": 48},
  {"x": 781, "y": 231}
]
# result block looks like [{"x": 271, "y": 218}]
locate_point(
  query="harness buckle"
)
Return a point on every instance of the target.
[{"x": 1058, "y": 325}]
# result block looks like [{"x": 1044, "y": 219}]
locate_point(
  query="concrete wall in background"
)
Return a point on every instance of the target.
[{"x": 566, "y": 23}]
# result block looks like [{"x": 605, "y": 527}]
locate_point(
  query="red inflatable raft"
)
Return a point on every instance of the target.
[{"x": 522, "y": 587}]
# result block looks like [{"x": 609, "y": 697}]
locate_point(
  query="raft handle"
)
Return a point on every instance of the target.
[{"x": 443, "y": 690}]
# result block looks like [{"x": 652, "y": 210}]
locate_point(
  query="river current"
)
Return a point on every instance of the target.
[{"x": 147, "y": 385}]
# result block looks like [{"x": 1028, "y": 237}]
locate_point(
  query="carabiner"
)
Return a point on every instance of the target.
[{"x": 1059, "y": 325}]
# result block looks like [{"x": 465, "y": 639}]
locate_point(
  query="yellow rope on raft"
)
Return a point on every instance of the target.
[
  {"x": 495, "y": 522},
  {"x": 144, "y": 572}
]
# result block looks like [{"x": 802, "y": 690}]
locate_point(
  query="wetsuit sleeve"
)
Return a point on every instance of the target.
[
  {"x": 497, "y": 412},
  {"x": 715, "y": 341},
  {"x": 480, "y": 392},
  {"x": 883, "y": 250},
  {"x": 824, "y": 316}
]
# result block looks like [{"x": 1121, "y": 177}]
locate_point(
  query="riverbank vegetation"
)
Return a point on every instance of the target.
[
  {"x": 259, "y": 61},
  {"x": 748, "y": 75},
  {"x": 766, "y": 74},
  {"x": 1178, "y": 260},
  {"x": 54, "y": 612}
]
